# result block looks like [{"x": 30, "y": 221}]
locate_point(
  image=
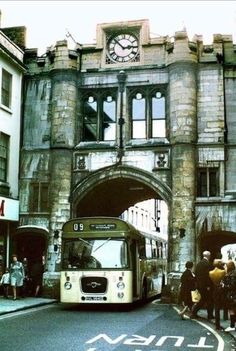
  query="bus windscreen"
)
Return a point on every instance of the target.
[{"x": 95, "y": 254}]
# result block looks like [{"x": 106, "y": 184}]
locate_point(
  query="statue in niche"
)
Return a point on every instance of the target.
[
  {"x": 81, "y": 164},
  {"x": 161, "y": 160}
]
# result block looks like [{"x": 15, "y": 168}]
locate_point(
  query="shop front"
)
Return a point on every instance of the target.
[{"x": 9, "y": 217}]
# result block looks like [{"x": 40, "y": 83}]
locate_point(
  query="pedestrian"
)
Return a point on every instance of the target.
[
  {"x": 5, "y": 282},
  {"x": 229, "y": 286},
  {"x": 16, "y": 275},
  {"x": 216, "y": 276},
  {"x": 187, "y": 285},
  {"x": 26, "y": 282},
  {"x": 204, "y": 286},
  {"x": 37, "y": 276}
]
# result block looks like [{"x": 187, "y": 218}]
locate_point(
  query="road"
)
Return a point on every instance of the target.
[{"x": 150, "y": 327}]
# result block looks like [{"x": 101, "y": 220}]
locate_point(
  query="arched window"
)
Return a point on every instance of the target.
[
  {"x": 147, "y": 113},
  {"x": 158, "y": 115},
  {"x": 138, "y": 117},
  {"x": 109, "y": 118},
  {"x": 90, "y": 118},
  {"x": 99, "y": 116}
]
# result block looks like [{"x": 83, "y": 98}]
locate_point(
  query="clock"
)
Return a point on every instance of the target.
[{"x": 123, "y": 47}]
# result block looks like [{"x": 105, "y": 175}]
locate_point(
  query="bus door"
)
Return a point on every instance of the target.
[{"x": 135, "y": 267}]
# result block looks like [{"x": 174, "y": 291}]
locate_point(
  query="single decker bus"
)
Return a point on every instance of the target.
[{"x": 107, "y": 260}]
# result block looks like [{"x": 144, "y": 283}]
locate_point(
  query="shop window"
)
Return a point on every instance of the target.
[
  {"x": 208, "y": 182},
  {"x": 6, "y": 88},
  {"x": 39, "y": 197},
  {"x": 4, "y": 155},
  {"x": 99, "y": 116}
]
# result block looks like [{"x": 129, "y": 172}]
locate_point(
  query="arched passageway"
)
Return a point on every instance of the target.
[
  {"x": 30, "y": 242},
  {"x": 213, "y": 241},
  {"x": 110, "y": 191}
]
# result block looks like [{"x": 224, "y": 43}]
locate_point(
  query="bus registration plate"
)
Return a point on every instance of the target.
[{"x": 93, "y": 298}]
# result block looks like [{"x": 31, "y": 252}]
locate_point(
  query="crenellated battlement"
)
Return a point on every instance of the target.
[
  {"x": 56, "y": 57},
  {"x": 158, "y": 51}
]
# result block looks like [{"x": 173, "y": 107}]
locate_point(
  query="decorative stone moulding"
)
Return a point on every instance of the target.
[
  {"x": 80, "y": 162},
  {"x": 162, "y": 159}
]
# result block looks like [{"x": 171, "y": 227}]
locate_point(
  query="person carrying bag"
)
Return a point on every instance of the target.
[
  {"x": 186, "y": 287},
  {"x": 229, "y": 286}
]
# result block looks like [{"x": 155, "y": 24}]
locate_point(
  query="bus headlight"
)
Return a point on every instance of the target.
[
  {"x": 67, "y": 285},
  {"x": 121, "y": 285}
]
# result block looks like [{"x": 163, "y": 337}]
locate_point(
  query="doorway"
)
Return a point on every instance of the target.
[{"x": 31, "y": 245}]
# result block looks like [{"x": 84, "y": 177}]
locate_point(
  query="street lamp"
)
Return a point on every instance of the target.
[
  {"x": 121, "y": 77},
  {"x": 55, "y": 240}
]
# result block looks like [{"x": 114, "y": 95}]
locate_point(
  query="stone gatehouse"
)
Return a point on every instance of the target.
[{"x": 130, "y": 112}]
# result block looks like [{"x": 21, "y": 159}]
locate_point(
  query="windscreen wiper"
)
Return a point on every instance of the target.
[
  {"x": 102, "y": 245},
  {"x": 86, "y": 242}
]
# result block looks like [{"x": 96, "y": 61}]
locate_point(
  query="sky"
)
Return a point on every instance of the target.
[{"x": 50, "y": 21}]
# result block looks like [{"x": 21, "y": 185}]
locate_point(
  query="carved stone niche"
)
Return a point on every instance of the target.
[
  {"x": 80, "y": 162},
  {"x": 162, "y": 159}
]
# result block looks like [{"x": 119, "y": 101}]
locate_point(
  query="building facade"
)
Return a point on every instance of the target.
[
  {"x": 11, "y": 77},
  {"x": 124, "y": 120}
]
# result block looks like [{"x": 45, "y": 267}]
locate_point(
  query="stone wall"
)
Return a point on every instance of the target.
[{"x": 199, "y": 108}]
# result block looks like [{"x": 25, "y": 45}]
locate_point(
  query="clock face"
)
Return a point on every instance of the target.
[{"x": 123, "y": 47}]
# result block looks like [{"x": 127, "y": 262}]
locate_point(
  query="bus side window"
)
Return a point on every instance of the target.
[
  {"x": 154, "y": 249},
  {"x": 141, "y": 248},
  {"x": 161, "y": 255},
  {"x": 148, "y": 248},
  {"x": 158, "y": 249},
  {"x": 164, "y": 250}
]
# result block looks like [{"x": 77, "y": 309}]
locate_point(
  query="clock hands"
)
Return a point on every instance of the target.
[
  {"x": 119, "y": 43},
  {"x": 129, "y": 46}
]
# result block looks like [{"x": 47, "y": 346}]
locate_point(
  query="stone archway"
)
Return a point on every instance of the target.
[
  {"x": 30, "y": 242},
  {"x": 111, "y": 190},
  {"x": 213, "y": 241}
]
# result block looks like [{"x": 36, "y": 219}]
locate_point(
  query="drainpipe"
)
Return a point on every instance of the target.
[{"x": 121, "y": 77}]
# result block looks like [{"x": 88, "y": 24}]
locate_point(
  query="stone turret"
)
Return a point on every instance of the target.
[
  {"x": 183, "y": 117},
  {"x": 181, "y": 49},
  {"x": 55, "y": 57},
  {"x": 63, "y": 133}
]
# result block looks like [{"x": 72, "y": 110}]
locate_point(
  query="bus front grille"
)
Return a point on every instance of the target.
[{"x": 94, "y": 285}]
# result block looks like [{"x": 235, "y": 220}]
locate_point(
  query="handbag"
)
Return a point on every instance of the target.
[{"x": 196, "y": 296}]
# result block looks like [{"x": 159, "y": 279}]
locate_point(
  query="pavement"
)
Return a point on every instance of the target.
[{"x": 9, "y": 305}]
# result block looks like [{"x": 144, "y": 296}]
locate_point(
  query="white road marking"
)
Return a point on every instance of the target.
[{"x": 218, "y": 337}]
